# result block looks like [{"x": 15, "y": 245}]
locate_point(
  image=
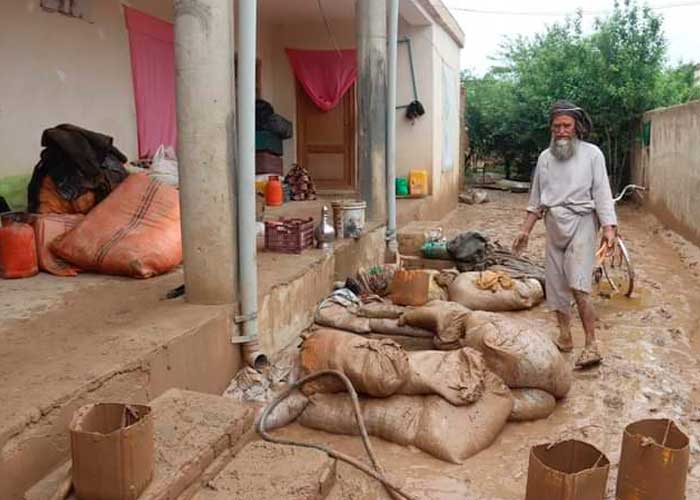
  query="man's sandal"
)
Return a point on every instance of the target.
[{"x": 589, "y": 357}]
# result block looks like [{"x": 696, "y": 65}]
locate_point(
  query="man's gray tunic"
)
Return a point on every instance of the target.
[{"x": 575, "y": 198}]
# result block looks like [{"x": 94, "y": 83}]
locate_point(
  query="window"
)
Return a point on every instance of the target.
[{"x": 71, "y": 8}]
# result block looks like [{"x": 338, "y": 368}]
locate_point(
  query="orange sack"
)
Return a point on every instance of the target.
[
  {"x": 47, "y": 228},
  {"x": 135, "y": 231}
]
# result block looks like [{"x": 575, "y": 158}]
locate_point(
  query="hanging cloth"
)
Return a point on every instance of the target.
[
  {"x": 151, "y": 42},
  {"x": 325, "y": 75}
]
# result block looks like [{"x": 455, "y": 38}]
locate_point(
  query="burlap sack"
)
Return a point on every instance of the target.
[
  {"x": 392, "y": 327},
  {"x": 531, "y": 404},
  {"x": 524, "y": 294},
  {"x": 522, "y": 357},
  {"x": 342, "y": 318},
  {"x": 430, "y": 423},
  {"x": 380, "y": 310},
  {"x": 445, "y": 319},
  {"x": 375, "y": 367},
  {"x": 457, "y": 376}
]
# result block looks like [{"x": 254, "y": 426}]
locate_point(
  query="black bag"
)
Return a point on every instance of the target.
[
  {"x": 279, "y": 126},
  {"x": 263, "y": 112},
  {"x": 470, "y": 248}
]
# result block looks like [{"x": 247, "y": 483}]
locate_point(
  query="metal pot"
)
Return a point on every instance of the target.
[{"x": 324, "y": 232}]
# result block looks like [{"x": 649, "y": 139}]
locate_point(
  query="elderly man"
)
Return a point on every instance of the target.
[{"x": 571, "y": 191}]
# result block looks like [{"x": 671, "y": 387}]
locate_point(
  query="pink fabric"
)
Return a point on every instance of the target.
[
  {"x": 151, "y": 42},
  {"x": 325, "y": 75}
]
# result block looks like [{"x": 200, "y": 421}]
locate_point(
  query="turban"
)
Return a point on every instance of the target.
[{"x": 584, "y": 125}]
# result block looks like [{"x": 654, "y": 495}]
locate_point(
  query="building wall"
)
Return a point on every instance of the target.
[
  {"x": 670, "y": 167},
  {"x": 79, "y": 72},
  {"x": 445, "y": 180},
  {"x": 59, "y": 69},
  {"x": 414, "y": 141}
]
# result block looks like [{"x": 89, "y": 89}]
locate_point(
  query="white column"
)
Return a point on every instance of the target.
[
  {"x": 205, "y": 118},
  {"x": 371, "y": 105}
]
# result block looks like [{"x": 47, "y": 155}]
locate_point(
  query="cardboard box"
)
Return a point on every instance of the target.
[
  {"x": 653, "y": 461},
  {"x": 112, "y": 450},
  {"x": 569, "y": 470}
]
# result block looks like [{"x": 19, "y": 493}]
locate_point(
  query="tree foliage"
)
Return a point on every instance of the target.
[{"x": 617, "y": 72}]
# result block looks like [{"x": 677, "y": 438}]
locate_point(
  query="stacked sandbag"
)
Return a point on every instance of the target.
[
  {"x": 531, "y": 404},
  {"x": 375, "y": 367},
  {"x": 495, "y": 291},
  {"x": 430, "y": 423},
  {"x": 382, "y": 368},
  {"x": 338, "y": 311},
  {"x": 458, "y": 376},
  {"x": 522, "y": 357},
  {"x": 342, "y": 318},
  {"x": 395, "y": 327},
  {"x": 445, "y": 319}
]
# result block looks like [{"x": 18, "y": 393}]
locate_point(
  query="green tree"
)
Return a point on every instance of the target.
[{"x": 616, "y": 73}]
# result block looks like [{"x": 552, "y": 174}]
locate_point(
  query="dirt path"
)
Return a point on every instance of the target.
[{"x": 650, "y": 344}]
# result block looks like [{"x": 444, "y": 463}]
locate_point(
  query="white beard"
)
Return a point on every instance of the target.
[{"x": 563, "y": 149}]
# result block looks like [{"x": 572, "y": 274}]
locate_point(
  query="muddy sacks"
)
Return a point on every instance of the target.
[
  {"x": 531, "y": 404},
  {"x": 392, "y": 327},
  {"x": 522, "y": 293},
  {"x": 520, "y": 356},
  {"x": 342, "y": 318},
  {"x": 446, "y": 320},
  {"x": 458, "y": 376},
  {"x": 375, "y": 367},
  {"x": 430, "y": 423}
]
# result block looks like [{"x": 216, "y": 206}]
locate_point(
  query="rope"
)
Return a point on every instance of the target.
[
  {"x": 328, "y": 27},
  {"x": 377, "y": 472}
]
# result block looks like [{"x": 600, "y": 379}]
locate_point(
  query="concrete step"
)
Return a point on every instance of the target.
[
  {"x": 266, "y": 471},
  {"x": 70, "y": 342},
  {"x": 191, "y": 430}
]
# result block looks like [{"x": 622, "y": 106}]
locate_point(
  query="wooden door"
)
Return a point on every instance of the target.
[{"x": 326, "y": 142}]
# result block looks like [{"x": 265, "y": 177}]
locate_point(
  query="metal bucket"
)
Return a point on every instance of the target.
[
  {"x": 653, "y": 461},
  {"x": 568, "y": 470},
  {"x": 349, "y": 218}
]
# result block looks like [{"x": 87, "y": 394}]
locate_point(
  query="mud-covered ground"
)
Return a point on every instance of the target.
[{"x": 650, "y": 344}]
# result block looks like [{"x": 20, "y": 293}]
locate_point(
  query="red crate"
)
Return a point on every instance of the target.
[{"x": 289, "y": 235}]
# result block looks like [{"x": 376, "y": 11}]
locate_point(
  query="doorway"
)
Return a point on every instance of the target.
[{"x": 326, "y": 142}]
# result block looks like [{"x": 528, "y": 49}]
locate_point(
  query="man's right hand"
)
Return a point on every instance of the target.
[{"x": 520, "y": 243}]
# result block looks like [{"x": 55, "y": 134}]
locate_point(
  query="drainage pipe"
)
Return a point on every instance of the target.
[
  {"x": 247, "y": 251},
  {"x": 392, "y": 47}
]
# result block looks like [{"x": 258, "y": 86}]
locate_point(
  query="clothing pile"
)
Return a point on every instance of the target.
[
  {"x": 270, "y": 130},
  {"x": 92, "y": 215},
  {"x": 78, "y": 169}
]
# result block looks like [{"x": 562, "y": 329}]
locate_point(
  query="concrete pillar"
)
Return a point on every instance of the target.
[
  {"x": 371, "y": 104},
  {"x": 205, "y": 120}
]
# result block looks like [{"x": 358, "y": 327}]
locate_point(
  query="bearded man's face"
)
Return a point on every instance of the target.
[{"x": 563, "y": 143}]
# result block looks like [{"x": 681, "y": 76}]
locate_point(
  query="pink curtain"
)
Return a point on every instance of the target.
[
  {"x": 325, "y": 75},
  {"x": 151, "y": 42}
]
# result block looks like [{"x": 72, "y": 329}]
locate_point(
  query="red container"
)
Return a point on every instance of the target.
[
  {"x": 18, "y": 257},
  {"x": 289, "y": 235},
  {"x": 274, "y": 196}
]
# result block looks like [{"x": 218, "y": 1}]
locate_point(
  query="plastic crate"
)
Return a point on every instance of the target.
[{"x": 289, "y": 235}]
